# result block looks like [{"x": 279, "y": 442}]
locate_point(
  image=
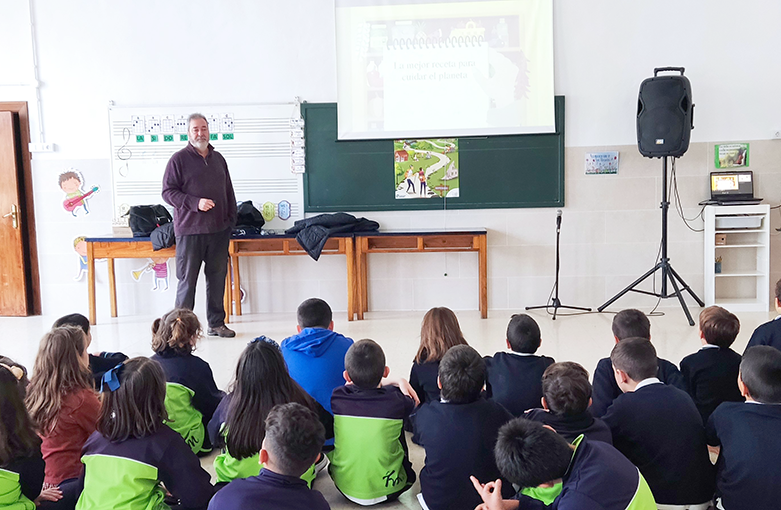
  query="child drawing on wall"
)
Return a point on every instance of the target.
[
  {"x": 71, "y": 183},
  {"x": 158, "y": 266},
  {"x": 80, "y": 246}
]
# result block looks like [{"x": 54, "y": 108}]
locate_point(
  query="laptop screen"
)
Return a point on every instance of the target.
[{"x": 732, "y": 184}]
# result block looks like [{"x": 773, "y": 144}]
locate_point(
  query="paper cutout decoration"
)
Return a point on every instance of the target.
[
  {"x": 158, "y": 266},
  {"x": 80, "y": 247},
  {"x": 71, "y": 182}
]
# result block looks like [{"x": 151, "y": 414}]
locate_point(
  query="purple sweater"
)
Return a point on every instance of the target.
[{"x": 188, "y": 178}]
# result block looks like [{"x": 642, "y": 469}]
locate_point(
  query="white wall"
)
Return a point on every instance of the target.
[{"x": 208, "y": 52}]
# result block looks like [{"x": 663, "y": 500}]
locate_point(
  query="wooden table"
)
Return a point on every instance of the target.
[
  {"x": 355, "y": 247},
  {"x": 416, "y": 241},
  {"x": 111, "y": 248},
  {"x": 286, "y": 244}
]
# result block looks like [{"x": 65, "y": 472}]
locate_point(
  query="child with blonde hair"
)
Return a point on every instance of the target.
[{"x": 191, "y": 394}]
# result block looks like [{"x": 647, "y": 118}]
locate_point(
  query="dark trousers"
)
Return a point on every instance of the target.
[{"x": 212, "y": 251}]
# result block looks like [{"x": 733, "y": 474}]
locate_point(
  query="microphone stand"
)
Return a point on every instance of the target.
[{"x": 556, "y": 303}]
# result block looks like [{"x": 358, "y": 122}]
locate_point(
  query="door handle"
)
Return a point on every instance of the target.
[{"x": 14, "y": 214}]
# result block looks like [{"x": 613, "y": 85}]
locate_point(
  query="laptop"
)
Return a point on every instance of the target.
[{"x": 733, "y": 188}]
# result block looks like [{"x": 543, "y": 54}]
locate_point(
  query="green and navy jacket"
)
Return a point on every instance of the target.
[
  {"x": 370, "y": 462},
  {"x": 191, "y": 396},
  {"x": 127, "y": 475},
  {"x": 21, "y": 481},
  {"x": 599, "y": 477},
  {"x": 229, "y": 468}
]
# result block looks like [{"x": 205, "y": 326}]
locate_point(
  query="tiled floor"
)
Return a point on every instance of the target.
[{"x": 583, "y": 338}]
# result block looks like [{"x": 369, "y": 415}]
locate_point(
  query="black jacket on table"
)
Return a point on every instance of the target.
[
  {"x": 459, "y": 441},
  {"x": 605, "y": 390},
  {"x": 570, "y": 427},
  {"x": 515, "y": 380},
  {"x": 312, "y": 233},
  {"x": 711, "y": 376},
  {"x": 747, "y": 470},
  {"x": 768, "y": 333},
  {"x": 660, "y": 431}
]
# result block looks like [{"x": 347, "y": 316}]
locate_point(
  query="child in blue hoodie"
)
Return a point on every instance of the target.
[{"x": 315, "y": 356}]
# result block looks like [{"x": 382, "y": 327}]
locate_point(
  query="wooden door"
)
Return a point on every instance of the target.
[{"x": 13, "y": 267}]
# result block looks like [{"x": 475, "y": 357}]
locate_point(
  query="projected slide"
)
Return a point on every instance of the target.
[{"x": 432, "y": 68}]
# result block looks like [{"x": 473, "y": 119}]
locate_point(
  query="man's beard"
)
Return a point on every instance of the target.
[{"x": 200, "y": 144}]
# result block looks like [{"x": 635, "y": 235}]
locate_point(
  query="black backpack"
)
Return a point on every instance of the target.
[
  {"x": 145, "y": 218},
  {"x": 247, "y": 215}
]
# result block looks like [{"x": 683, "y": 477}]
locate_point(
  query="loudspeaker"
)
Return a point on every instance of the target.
[{"x": 665, "y": 115}]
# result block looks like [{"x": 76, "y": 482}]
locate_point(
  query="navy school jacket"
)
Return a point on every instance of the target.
[
  {"x": 570, "y": 427},
  {"x": 127, "y": 474},
  {"x": 659, "y": 429},
  {"x": 711, "y": 376},
  {"x": 370, "y": 460},
  {"x": 605, "y": 389},
  {"x": 515, "y": 380},
  {"x": 21, "y": 481},
  {"x": 459, "y": 441},
  {"x": 268, "y": 490},
  {"x": 191, "y": 397},
  {"x": 598, "y": 478},
  {"x": 747, "y": 470},
  {"x": 768, "y": 333}
]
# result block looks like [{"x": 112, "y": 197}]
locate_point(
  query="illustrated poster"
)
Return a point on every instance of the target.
[{"x": 426, "y": 168}]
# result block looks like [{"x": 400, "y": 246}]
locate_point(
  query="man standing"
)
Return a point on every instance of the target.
[{"x": 198, "y": 185}]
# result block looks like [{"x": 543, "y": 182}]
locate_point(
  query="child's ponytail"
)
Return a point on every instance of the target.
[{"x": 176, "y": 332}]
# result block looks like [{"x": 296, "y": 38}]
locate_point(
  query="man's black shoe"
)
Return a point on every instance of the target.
[{"x": 221, "y": 331}]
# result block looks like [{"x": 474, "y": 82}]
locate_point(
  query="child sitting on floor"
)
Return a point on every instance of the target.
[
  {"x": 133, "y": 450},
  {"x": 769, "y": 333},
  {"x": 261, "y": 382},
  {"x": 566, "y": 395},
  {"x": 64, "y": 406},
  {"x": 315, "y": 356},
  {"x": 711, "y": 374},
  {"x": 627, "y": 324},
  {"x": 191, "y": 395},
  {"x": 438, "y": 333},
  {"x": 659, "y": 429},
  {"x": 370, "y": 463},
  {"x": 98, "y": 363},
  {"x": 514, "y": 379},
  {"x": 458, "y": 433},
  {"x": 293, "y": 440},
  {"x": 593, "y": 475},
  {"x": 750, "y": 434},
  {"x": 21, "y": 463}
]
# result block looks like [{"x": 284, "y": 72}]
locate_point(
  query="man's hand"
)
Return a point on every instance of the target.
[
  {"x": 491, "y": 494},
  {"x": 205, "y": 204}
]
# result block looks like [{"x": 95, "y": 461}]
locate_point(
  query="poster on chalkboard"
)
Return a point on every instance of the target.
[{"x": 426, "y": 168}]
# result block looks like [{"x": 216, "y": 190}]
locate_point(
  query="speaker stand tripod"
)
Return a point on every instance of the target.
[
  {"x": 668, "y": 273},
  {"x": 556, "y": 303}
]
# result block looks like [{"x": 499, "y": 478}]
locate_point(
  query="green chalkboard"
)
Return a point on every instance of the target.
[{"x": 495, "y": 171}]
